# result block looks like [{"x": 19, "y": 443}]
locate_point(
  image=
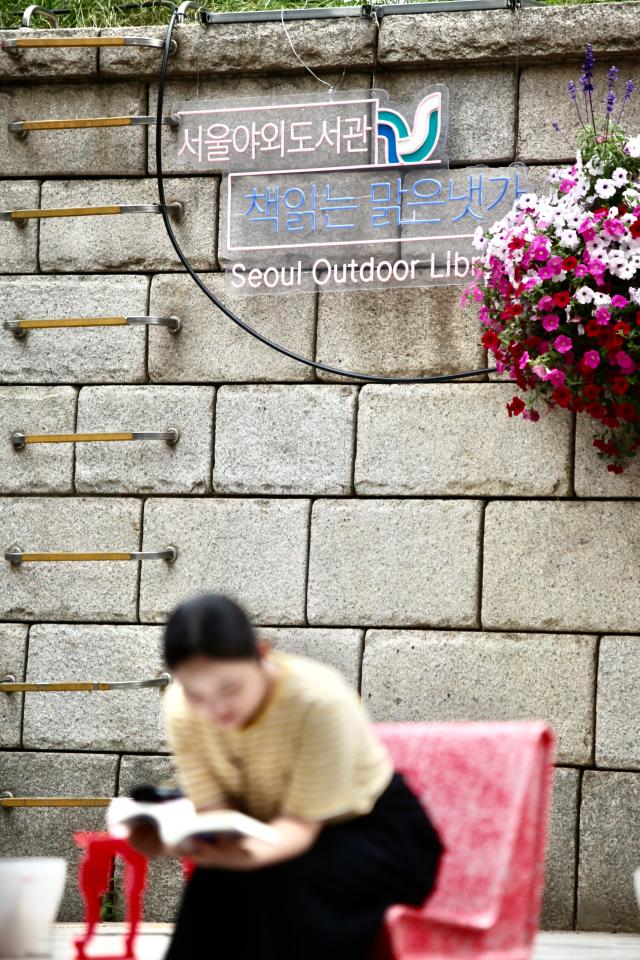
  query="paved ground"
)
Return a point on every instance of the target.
[{"x": 550, "y": 946}]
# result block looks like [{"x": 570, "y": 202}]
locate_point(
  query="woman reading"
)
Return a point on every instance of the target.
[{"x": 285, "y": 740}]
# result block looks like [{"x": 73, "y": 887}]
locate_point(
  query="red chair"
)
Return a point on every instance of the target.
[{"x": 487, "y": 788}]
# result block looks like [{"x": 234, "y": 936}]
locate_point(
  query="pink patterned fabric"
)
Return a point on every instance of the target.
[{"x": 487, "y": 789}]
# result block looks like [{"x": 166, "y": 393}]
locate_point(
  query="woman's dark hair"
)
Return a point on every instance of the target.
[{"x": 209, "y": 626}]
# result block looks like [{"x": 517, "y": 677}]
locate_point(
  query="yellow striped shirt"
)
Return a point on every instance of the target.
[{"x": 310, "y": 753}]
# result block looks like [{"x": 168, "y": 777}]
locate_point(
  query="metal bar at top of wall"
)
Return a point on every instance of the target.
[
  {"x": 372, "y": 10},
  {"x": 23, "y": 127},
  {"x": 16, "y": 556},
  {"x": 9, "y": 684},
  {"x": 115, "y": 209},
  {"x": 21, "y": 440},
  {"x": 20, "y": 327},
  {"x": 7, "y": 799}
]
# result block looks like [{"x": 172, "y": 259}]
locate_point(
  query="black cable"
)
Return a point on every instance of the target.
[{"x": 369, "y": 378}]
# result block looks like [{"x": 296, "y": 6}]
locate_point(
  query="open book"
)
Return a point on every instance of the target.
[{"x": 178, "y": 820}]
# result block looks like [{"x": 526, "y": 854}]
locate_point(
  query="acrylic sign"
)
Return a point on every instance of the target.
[{"x": 344, "y": 191}]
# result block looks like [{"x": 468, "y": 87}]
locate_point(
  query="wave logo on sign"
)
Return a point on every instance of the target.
[{"x": 416, "y": 144}]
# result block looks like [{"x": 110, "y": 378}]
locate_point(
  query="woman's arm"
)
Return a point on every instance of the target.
[{"x": 296, "y": 836}]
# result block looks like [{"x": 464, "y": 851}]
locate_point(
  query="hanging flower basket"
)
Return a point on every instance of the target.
[{"x": 556, "y": 282}]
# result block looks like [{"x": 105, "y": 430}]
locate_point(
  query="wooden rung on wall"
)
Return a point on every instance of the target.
[
  {"x": 176, "y": 208},
  {"x": 19, "y": 328},
  {"x": 7, "y": 799},
  {"x": 21, "y": 440},
  {"x": 9, "y": 684},
  {"x": 23, "y": 127},
  {"x": 16, "y": 556},
  {"x": 29, "y": 43}
]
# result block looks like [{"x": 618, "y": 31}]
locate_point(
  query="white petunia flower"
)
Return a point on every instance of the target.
[
  {"x": 597, "y": 246},
  {"x": 600, "y": 299},
  {"x": 479, "y": 239},
  {"x": 620, "y": 176},
  {"x": 569, "y": 238},
  {"x": 584, "y": 295},
  {"x": 574, "y": 218},
  {"x": 529, "y": 200},
  {"x": 594, "y": 166},
  {"x": 605, "y": 188},
  {"x": 633, "y": 147},
  {"x": 626, "y": 271}
]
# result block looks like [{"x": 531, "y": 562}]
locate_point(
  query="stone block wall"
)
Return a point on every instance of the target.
[{"x": 452, "y": 563}]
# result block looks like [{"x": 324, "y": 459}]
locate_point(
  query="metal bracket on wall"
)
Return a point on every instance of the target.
[
  {"x": 20, "y": 328},
  {"x": 21, "y": 128},
  {"x": 9, "y": 684},
  {"x": 20, "y": 440},
  {"x": 7, "y": 799},
  {"x": 16, "y": 556},
  {"x": 35, "y": 11},
  {"x": 19, "y": 216}
]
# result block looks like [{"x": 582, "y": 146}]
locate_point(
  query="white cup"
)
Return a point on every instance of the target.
[{"x": 31, "y": 889}]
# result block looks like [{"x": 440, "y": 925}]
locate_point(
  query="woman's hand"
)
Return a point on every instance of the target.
[
  {"x": 296, "y": 836},
  {"x": 225, "y": 853},
  {"x": 144, "y": 838}
]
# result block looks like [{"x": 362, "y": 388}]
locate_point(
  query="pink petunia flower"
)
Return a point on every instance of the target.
[
  {"x": 614, "y": 228},
  {"x": 545, "y": 272},
  {"x": 591, "y": 359},
  {"x": 545, "y": 303},
  {"x": 619, "y": 301},
  {"x": 563, "y": 344},
  {"x": 550, "y": 322},
  {"x": 556, "y": 377},
  {"x": 603, "y": 315},
  {"x": 539, "y": 248},
  {"x": 587, "y": 231},
  {"x": 625, "y": 362}
]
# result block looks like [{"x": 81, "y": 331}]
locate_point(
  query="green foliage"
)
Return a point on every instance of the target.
[
  {"x": 110, "y": 13},
  {"x": 108, "y": 906}
]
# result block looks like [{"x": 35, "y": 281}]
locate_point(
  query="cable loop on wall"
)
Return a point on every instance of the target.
[{"x": 228, "y": 312}]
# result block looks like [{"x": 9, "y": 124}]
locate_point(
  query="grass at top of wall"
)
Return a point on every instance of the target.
[{"x": 110, "y": 13}]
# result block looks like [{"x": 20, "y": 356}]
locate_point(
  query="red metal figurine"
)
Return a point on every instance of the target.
[{"x": 93, "y": 877}]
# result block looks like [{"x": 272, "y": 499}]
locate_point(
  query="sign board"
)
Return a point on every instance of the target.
[{"x": 342, "y": 191}]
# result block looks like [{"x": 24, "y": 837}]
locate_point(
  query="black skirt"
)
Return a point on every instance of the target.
[{"x": 327, "y": 904}]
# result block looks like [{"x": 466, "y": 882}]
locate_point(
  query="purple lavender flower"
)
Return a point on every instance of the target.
[
  {"x": 573, "y": 92},
  {"x": 611, "y": 100},
  {"x": 587, "y": 70},
  {"x": 629, "y": 87},
  {"x": 612, "y": 76},
  {"x": 585, "y": 81},
  {"x": 589, "y": 60},
  {"x": 555, "y": 125}
]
